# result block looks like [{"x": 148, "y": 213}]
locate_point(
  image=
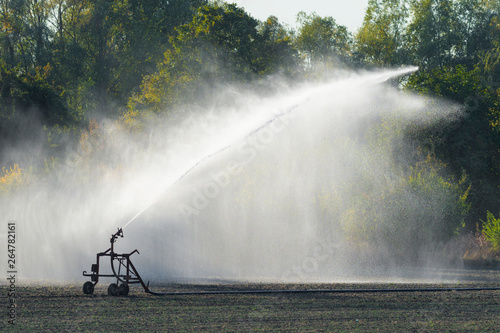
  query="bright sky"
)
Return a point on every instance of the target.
[{"x": 349, "y": 13}]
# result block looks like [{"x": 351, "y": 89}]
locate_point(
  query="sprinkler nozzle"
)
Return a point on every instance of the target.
[{"x": 117, "y": 234}]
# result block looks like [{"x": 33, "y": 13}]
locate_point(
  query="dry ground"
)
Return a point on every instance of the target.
[{"x": 64, "y": 308}]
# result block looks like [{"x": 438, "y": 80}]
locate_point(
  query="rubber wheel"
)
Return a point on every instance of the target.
[
  {"x": 123, "y": 289},
  {"x": 88, "y": 288},
  {"x": 113, "y": 290}
]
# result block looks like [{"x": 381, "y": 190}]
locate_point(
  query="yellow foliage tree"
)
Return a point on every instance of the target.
[{"x": 11, "y": 180}]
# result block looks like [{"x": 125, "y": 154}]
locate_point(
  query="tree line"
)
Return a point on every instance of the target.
[{"x": 65, "y": 62}]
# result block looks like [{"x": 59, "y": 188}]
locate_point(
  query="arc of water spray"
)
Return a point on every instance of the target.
[
  {"x": 380, "y": 78},
  {"x": 157, "y": 197}
]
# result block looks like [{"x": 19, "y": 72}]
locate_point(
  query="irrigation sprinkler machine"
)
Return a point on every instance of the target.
[
  {"x": 125, "y": 273},
  {"x": 122, "y": 268}
]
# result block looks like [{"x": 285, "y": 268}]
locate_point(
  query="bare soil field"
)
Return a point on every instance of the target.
[{"x": 64, "y": 308}]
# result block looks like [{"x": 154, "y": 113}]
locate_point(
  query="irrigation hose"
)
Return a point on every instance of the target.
[{"x": 330, "y": 291}]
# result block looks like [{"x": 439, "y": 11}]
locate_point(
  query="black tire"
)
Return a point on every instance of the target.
[
  {"x": 123, "y": 289},
  {"x": 113, "y": 290},
  {"x": 88, "y": 288}
]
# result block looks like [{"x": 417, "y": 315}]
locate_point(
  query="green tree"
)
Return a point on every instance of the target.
[
  {"x": 491, "y": 230},
  {"x": 476, "y": 28},
  {"x": 278, "y": 53},
  {"x": 38, "y": 33},
  {"x": 98, "y": 42},
  {"x": 471, "y": 143},
  {"x": 140, "y": 33},
  {"x": 70, "y": 51},
  {"x": 322, "y": 41},
  {"x": 382, "y": 39},
  {"x": 227, "y": 38},
  {"x": 25, "y": 33},
  {"x": 221, "y": 44},
  {"x": 422, "y": 210},
  {"x": 33, "y": 95},
  {"x": 433, "y": 33},
  {"x": 11, "y": 33}
]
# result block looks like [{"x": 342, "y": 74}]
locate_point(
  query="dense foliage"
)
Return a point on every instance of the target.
[{"x": 65, "y": 62}]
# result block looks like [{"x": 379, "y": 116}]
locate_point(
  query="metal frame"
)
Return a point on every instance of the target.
[{"x": 125, "y": 273}]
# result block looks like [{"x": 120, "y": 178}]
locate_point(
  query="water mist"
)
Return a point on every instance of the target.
[{"x": 258, "y": 189}]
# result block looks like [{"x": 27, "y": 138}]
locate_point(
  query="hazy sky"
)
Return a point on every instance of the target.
[{"x": 349, "y": 13}]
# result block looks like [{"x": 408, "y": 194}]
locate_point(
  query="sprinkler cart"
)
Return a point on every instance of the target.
[{"x": 125, "y": 273}]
